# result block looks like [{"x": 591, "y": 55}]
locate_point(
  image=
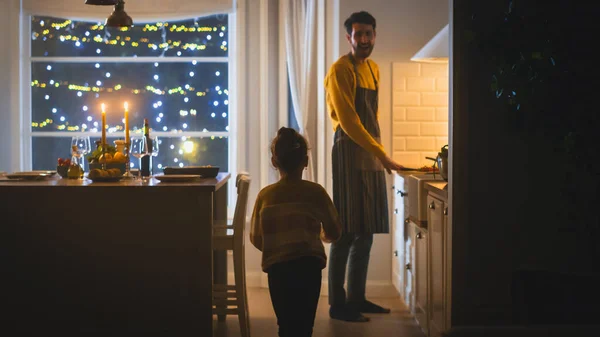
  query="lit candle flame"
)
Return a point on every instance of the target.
[
  {"x": 103, "y": 108},
  {"x": 126, "y": 106}
]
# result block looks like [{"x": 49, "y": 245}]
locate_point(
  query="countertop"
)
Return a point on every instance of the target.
[
  {"x": 438, "y": 187},
  {"x": 405, "y": 174},
  {"x": 55, "y": 181}
]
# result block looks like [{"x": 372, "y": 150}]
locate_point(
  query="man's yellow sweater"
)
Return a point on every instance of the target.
[{"x": 340, "y": 85}]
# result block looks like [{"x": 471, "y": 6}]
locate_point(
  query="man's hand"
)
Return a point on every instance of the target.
[{"x": 390, "y": 165}]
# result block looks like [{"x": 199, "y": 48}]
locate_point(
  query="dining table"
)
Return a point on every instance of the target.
[{"x": 124, "y": 258}]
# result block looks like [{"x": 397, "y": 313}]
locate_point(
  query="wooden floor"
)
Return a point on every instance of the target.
[{"x": 263, "y": 322}]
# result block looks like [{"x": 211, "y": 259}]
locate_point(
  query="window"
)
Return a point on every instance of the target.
[
  {"x": 292, "y": 121},
  {"x": 175, "y": 74}
]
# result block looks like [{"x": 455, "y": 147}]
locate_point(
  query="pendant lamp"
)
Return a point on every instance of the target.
[
  {"x": 101, "y": 2},
  {"x": 119, "y": 18}
]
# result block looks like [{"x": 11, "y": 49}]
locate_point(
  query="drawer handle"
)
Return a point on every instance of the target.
[
  {"x": 406, "y": 221},
  {"x": 419, "y": 235},
  {"x": 402, "y": 194},
  {"x": 446, "y": 211},
  {"x": 395, "y": 253},
  {"x": 395, "y": 211},
  {"x": 432, "y": 205},
  {"x": 407, "y": 266}
]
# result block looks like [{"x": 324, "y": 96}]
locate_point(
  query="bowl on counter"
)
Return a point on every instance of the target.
[{"x": 120, "y": 166}]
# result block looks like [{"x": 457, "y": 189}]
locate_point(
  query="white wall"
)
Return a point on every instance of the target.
[
  {"x": 9, "y": 86},
  {"x": 403, "y": 27}
]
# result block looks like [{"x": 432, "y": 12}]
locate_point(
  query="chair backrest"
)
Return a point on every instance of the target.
[{"x": 241, "y": 205}]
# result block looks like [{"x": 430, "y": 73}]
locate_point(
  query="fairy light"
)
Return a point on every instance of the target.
[{"x": 84, "y": 39}]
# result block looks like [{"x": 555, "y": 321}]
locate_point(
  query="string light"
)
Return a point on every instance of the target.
[{"x": 55, "y": 37}]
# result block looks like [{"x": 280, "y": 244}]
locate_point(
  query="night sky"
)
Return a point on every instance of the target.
[{"x": 175, "y": 96}]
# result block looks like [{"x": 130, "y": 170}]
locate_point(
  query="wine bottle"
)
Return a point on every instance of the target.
[{"x": 146, "y": 161}]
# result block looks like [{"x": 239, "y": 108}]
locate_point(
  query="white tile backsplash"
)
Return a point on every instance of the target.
[
  {"x": 434, "y": 99},
  {"x": 399, "y": 113},
  {"x": 441, "y": 114},
  {"x": 419, "y": 110},
  {"x": 420, "y": 114},
  {"x": 434, "y": 129},
  {"x": 404, "y": 129},
  {"x": 420, "y": 143},
  {"x": 420, "y": 84},
  {"x": 403, "y": 98}
]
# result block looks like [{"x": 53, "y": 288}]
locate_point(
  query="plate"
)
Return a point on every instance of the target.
[
  {"x": 106, "y": 179},
  {"x": 171, "y": 178},
  {"x": 204, "y": 171},
  {"x": 30, "y": 175}
]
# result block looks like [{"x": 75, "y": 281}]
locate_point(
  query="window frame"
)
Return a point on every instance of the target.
[{"x": 24, "y": 111}]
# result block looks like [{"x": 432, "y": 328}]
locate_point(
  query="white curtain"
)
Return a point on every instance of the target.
[
  {"x": 301, "y": 47},
  {"x": 141, "y": 11}
]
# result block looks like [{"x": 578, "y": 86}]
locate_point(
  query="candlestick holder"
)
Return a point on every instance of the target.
[
  {"x": 127, "y": 174},
  {"x": 103, "y": 161}
]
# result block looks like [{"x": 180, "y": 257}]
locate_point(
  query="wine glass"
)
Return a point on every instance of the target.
[
  {"x": 154, "y": 146},
  {"x": 82, "y": 143},
  {"x": 154, "y": 149},
  {"x": 139, "y": 148}
]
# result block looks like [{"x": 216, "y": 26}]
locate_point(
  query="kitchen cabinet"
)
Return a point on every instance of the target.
[
  {"x": 435, "y": 226},
  {"x": 410, "y": 261},
  {"x": 421, "y": 245},
  {"x": 440, "y": 259},
  {"x": 420, "y": 269},
  {"x": 400, "y": 259}
]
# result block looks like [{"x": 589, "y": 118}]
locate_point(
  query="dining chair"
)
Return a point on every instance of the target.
[{"x": 233, "y": 299}]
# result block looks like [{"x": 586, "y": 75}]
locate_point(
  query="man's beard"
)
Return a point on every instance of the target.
[{"x": 363, "y": 52}]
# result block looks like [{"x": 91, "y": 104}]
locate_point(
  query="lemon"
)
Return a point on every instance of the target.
[
  {"x": 106, "y": 158},
  {"x": 119, "y": 158}
]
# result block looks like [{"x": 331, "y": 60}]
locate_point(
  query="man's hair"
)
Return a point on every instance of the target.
[{"x": 359, "y": 17}]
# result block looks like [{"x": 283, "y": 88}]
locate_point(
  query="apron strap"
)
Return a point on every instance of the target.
[{"x": 356, "y": 71}]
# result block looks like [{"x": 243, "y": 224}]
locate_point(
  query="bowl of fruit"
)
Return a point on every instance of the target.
[
  {"x": 110, "y": 159},
  {"x": 67, "y": 169},
  {"x": 63, "y": 167}
]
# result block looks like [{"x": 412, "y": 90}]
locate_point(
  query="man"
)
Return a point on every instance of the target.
[{"x": 359, "y": 161}]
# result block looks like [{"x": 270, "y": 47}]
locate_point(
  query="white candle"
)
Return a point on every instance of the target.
[
  {"x": 103, "y": 127},
  {"x": 126, "y": 123}
]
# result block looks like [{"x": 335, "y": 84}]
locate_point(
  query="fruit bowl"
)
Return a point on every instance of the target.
[{"x": 120, "y": 166}]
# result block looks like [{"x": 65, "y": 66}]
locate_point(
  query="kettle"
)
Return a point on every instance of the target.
[{"x": 442, "y": 161}]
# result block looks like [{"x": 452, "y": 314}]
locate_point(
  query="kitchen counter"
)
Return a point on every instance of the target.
[
  {"x": 99, "y": 259},
  {"x": 405, "y": 174},
  {"x": 438, "y": 187}
]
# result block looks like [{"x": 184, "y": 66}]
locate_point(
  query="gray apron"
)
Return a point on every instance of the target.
[{"x": 359, "y": 186}]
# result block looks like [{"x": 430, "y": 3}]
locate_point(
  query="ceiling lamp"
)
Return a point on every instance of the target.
[
  {"x": 101, "y": 2},
  {"x": 119, "y": 18},
  {"x": 436, "y": 50}
]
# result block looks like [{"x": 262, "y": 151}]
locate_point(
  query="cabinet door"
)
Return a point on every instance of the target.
[
  {"x": 397, "y": 231},
  {"x": 410, "y": 262},
  {"x": 422, "y": 281},
  {"x": 447, "y": 269},
  {"x": 435, "y": 224}
]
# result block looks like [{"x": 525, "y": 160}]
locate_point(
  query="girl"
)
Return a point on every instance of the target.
[{"x": 290, "y": 220}]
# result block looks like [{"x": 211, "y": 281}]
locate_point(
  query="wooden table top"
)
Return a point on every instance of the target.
[{"x": 203, "y": 183}]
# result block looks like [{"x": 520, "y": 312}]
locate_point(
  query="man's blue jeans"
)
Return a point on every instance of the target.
[{"x": 354, "y": 250}]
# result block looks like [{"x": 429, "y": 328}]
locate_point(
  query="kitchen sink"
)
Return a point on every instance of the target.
[{"x": 417, "y": 196}]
